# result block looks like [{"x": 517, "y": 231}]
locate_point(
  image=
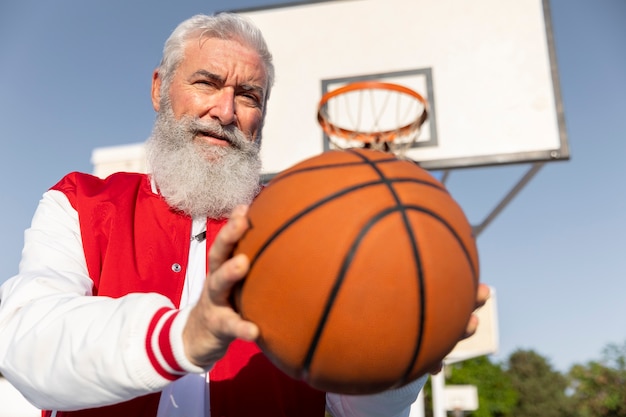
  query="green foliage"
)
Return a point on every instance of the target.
[
  {"x": 496, "y": 395},
  {"x": 541, "y": 390},
  {"x": 599, "y": 388},
  {"x": 527, "y": 386}
]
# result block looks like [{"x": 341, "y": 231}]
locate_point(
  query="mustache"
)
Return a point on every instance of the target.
[{"x": 231, "y": 134}]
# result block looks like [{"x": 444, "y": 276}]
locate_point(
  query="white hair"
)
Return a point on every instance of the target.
[{"x": 226, "y": 26}]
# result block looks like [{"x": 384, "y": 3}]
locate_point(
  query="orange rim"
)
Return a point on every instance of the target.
[{"x": 369, "y": 137}]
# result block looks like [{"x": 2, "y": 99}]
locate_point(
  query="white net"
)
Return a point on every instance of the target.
[{"x": 372, "y": 114}]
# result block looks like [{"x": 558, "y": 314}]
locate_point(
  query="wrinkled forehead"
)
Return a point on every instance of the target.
[
  {"x": 202, "y": 36},
  {"x": 226, "y": 61}
]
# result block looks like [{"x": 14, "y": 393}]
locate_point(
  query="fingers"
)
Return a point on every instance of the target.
[
  {"x": 228, "y": 237},
  {"x": 472, "y": 326},
  {"x": 221, "y": 281},
  {"x": 245, "y": 330},
  {"x": 212, "y": 323},
  {"x": 210, "y": 330},
  {"x": 224, "y": 271},
  {"x": 482, "y": 295},
  {"x": 436, "y": 369},
  {"x": 225, "y": 325}
]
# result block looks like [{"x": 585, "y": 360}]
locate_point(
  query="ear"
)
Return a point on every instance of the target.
[{"x": 156, "y": 90}]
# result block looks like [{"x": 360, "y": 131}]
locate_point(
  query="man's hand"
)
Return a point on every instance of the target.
[
  {"x": 482, "y": 295},
  {"x": 213, "y": 324}
]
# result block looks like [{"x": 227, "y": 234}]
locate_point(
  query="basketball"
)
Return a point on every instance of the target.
[{"x": 363, "y": 271}]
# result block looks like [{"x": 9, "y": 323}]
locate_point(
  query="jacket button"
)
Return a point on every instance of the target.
[{"x": 176, "y": 267}]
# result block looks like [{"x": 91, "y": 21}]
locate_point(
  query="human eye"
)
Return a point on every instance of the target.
[
  {"x": 251, "y": 95},
  {"x": 205, "y": 79},
  {"x": 205, "y": 82},
  {"x": 252, "y": 98}
]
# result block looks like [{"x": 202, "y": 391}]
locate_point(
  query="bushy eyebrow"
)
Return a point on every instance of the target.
[
  {"x": 246, "y": 87},
  {"x": 208, "y": 74}
]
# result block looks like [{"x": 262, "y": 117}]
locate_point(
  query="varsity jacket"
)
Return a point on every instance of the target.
[{"x": 77, "y": 355}]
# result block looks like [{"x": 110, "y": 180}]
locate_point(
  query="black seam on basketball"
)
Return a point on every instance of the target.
[
  {"x": 293, "y": 172},
  {"x": 323, "y": 201},
  {"x": 345, "y": 266},
  {"x": 418, "y": 265},
  {"x": 406, "y": 376},
  {"x": 452, "y": 230},
  {"x": 401, "y": 208},
  {"x": 330, "y": 301},
  {"x": 364, "y": 161},
  {"x": 348, "y": 164},
  {"x": 474, "y": 268}
]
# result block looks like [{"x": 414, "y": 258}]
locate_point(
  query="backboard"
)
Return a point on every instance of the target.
[
  {"x": 485, "y": 341},
  {"x": 486, "y": 67}
]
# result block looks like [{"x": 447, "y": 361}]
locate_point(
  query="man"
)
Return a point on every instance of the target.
[{"x": 113, "y": 311}]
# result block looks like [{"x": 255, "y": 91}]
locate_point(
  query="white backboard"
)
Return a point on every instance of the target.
[
  {"x": 461, "y": 397},
  {"x": 485, "y": 341},
  {"x": 487, "y": 68}
]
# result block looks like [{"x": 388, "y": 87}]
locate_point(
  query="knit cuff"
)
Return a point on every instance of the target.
[{"x": 164, "y": 344}]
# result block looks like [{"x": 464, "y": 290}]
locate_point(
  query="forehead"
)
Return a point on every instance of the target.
[{"x": 225, "y": 57}]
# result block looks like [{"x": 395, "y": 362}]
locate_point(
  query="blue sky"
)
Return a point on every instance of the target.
[{"x": 76, "y": 75}]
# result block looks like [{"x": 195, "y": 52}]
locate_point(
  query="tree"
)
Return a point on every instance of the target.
[
  {"x": 496, "y": 396},
  {"x": 541, "y": 390},
  {"x": 599, "y": 387}
]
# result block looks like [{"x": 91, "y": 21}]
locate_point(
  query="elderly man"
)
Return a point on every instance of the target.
[{"x": 121, "y": 302}]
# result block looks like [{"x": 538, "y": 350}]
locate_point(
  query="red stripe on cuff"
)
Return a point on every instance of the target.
[
  {"x": 166, "y": 346},
  {"x": 153, "y": 359}
]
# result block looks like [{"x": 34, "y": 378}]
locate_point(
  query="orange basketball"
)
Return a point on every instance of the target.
[{"x": 363, "y": 273}]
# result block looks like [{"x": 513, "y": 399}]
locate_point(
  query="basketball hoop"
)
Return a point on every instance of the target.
[{"x": 372, "y": 114}]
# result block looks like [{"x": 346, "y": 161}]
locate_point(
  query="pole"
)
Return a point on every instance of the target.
[
  {"x": 417, "y": 408},
  {"x": 438, "y": 384}
]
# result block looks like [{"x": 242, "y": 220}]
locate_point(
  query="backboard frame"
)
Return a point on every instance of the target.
[{"x": 277, "y": 20}]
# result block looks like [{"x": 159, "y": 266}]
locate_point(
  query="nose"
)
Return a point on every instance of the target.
[{"x": 222, "y": 106}]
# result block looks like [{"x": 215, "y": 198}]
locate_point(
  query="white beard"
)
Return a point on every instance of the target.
[{"x": 199, "y": 179}]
